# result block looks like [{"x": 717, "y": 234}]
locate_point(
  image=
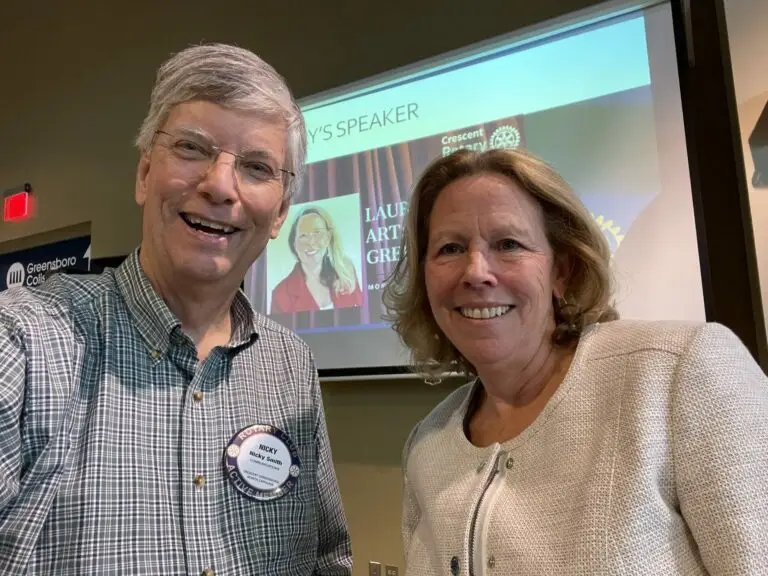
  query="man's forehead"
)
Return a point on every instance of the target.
[{"x": 229, "y": 126}]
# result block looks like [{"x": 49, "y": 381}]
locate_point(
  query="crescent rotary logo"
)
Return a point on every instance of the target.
[
  {"x": 505, "y": 137},
  {"x": 15, "y": 275}
]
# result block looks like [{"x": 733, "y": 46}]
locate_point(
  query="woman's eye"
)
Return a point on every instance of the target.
[
  {"x": 508, "y": 245},
  {"x": 448, "y": 249}
]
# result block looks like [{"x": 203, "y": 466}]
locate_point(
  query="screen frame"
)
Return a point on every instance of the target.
[
  {"x": 704, "y": 89},
  {"x": 727, "y": 253},
  {"x": 573, "y": 22}
]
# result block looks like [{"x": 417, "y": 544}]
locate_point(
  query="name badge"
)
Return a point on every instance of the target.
[{"x": 261, "y": 462}]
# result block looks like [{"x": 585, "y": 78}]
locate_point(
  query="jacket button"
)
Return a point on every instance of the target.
[
  {"x": 454, "y": 566},
  {"x": 510, "y": 463}
]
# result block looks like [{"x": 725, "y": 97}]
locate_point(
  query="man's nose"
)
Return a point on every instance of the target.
[{"x": 220, "y": 183}]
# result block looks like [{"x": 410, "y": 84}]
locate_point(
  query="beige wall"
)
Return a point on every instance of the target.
[
  {"x": 368, "y": 423},
  {"x": 74, "y": 85}
]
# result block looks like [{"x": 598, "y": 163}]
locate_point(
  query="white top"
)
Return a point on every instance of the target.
[
  {"x": 479, "y": 537},
  {"x": 650, "y": 458}
]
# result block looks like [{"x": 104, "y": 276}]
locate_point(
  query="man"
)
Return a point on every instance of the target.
[{"x": 150, "y": 421}]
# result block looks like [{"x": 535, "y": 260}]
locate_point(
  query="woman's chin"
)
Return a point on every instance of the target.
[
  {"x": 488, "y": 355},
  {"x": 311, "y": 260}
]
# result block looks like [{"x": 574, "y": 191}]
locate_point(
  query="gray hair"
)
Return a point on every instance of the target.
[{"x": 234, "y": 78}]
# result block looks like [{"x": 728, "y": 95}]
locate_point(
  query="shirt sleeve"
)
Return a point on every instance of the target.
[
  {"x": 334, "y": 554},
  {"x": 720, "y": 443},
  {"x": 12, "y": 380}
]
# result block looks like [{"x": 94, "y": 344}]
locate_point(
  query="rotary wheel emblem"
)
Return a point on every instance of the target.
[{"x": 505, "y": 137}]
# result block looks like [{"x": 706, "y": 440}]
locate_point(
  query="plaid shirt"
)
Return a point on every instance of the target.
[{"x": 112, "y": 438}]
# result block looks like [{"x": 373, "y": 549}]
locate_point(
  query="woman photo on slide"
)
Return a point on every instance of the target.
[{"x": 324, "y": 278}]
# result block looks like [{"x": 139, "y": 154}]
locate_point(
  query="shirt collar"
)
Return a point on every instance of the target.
[{"x": 157, "y": 325}]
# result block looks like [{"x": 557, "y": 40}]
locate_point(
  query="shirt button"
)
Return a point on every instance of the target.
[
  {"x": 492, "y": 562},
  {"x": 198, "y": 396},
  {"x": 510, "y": 463},
  {"x": 454, "y": 566},
  {"x": 200, "y": 482},
  {"x": 155, "y": 354},
  {"x": 208, "y": 572}
]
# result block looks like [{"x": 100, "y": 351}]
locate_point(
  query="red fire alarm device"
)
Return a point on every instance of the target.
[{"x": 18, "y": 203}]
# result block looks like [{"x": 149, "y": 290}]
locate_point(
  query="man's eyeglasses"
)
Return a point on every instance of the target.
[{"x": 197, "y": 155}]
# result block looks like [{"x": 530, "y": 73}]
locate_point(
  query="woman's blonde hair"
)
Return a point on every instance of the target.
[
  {"x": 570, "y": 229},
  {"x": 337, "y": 272}
]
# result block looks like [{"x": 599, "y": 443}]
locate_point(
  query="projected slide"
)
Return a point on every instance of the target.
[{"x": 583, "y": 101}]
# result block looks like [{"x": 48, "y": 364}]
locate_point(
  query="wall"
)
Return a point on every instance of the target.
[
  {"x": 368, "y": 423},
  {"x": 76, "y": 78},
  {"x": 75, "y": 84}
]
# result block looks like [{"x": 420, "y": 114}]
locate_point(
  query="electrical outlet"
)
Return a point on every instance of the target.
[
  {"x": 374, "y": 569},
  {"x": 391, "y": 571}
]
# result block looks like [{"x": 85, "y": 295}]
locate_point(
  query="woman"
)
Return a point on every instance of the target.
[
  {"x": 323, "y": 277},
  {"x": 586, "y": 444}
]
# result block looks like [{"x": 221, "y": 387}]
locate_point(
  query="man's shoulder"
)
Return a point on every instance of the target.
[
  {"x": 276, "y": 333},
  {"x": 61, "y": 295}
]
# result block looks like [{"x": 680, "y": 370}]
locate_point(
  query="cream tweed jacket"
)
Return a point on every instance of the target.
[{"x": 650, "y": 459}]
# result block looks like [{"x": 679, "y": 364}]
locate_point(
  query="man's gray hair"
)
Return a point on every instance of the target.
[{"x": 233, "y": 78}]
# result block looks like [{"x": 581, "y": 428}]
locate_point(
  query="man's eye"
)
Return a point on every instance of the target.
[
  {"x": 190, "y": 149},
  {"x": 258, "y": 170}
]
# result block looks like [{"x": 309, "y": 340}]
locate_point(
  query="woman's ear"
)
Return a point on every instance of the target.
[{"x": 561, "y": 274}]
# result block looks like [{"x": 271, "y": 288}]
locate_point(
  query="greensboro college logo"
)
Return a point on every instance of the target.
[{"x": 15, "y": 275}]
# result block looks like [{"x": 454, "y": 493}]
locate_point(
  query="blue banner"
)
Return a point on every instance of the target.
[{"x": 31, "y": 267}]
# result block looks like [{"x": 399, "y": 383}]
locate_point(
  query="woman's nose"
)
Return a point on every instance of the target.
[{"x": 479, "y": 270}]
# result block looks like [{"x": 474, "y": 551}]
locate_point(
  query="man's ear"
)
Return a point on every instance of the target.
[
  {"x": 280, "y": 220},
  {"x": 142, "y": 172}
]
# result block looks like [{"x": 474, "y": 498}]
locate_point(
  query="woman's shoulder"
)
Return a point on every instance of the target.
[
  {"x": 450, "y": 408},
  {"x": 665, "y": 346},
  {"x": 621, "y": 337},
  {"x": 289, "y": 279}
]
